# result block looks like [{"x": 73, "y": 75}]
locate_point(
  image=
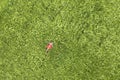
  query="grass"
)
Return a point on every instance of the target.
[{"x": 86, "y": 36}]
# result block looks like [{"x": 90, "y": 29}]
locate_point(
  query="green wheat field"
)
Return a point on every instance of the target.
[{"x": 85, "y": 35}]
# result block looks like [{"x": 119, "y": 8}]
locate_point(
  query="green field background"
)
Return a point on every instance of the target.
[{"x": 85, "y": 33}]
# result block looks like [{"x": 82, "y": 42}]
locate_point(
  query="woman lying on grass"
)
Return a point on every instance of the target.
[{"x": 49, "y": 46}]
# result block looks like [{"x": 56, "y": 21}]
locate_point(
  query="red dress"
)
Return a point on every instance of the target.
[{"x": 49, "y": 46}]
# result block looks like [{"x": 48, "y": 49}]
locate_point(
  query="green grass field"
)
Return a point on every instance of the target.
[{"x": 86, "y": 36}]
